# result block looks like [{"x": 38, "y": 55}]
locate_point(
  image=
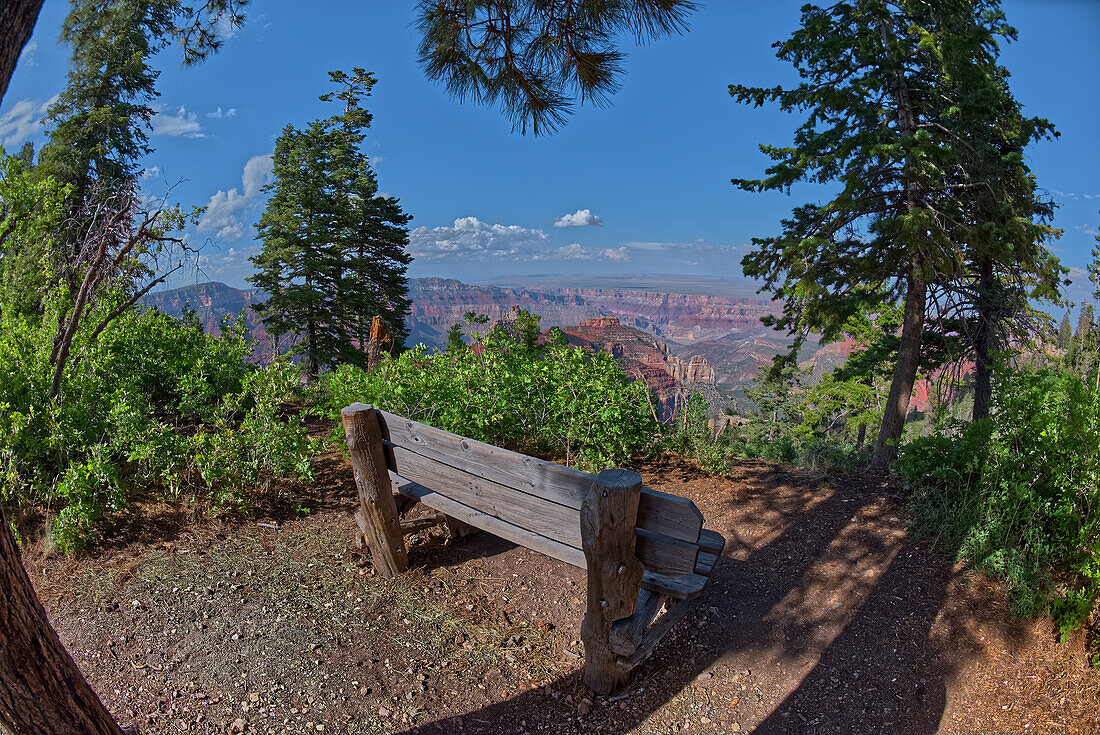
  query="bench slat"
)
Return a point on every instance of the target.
[
  {"x": 704, "y": 564},
  {"x": 486, "y": 522},
  {"x": 711, "y": 542},
  {"x": 687, "y": 587},
  {"x": 659, "y": 553},
  {"x": 659, "y": 512},
  {"x": 518, "y": 508}
]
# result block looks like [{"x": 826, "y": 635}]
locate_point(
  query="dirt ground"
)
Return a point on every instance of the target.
[{"x": 822, "y": 616}]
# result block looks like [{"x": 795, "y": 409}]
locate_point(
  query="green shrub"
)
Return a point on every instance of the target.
[
  {"x": 1018, "y": 494},
  {"x": 691, "y": 435},
  {"x": 153, "y": 406},
  {"x": 509, "y": 389}
]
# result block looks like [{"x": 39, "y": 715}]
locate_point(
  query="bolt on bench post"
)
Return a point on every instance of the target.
[
  {"x": 608, "y": 518},
  {"x": 377, "y": 516}
]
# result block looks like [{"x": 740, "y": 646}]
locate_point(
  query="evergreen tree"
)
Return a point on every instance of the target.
[
  {"x": 98, "y": 125},
  {"x": 334, "y": 250},
  {"x": 882, "y": 81},
  {"x": 1065, "y": 333}
]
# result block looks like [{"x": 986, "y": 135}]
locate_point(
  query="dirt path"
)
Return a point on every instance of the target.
[{"x": 821, "y": 617}]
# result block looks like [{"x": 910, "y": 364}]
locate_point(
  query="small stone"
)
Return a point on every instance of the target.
[
  {"x": 238, "y": 725},
  {"x": 384, "y": 712}
]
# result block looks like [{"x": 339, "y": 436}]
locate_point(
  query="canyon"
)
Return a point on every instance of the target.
[{"x": 678, "y": 343}]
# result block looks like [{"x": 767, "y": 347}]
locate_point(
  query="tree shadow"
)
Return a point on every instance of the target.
[{"x": 820, "y": 621}]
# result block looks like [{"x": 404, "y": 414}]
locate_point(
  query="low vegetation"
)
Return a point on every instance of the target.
[
  {"x": 152, "y": 408},
  {"x": 1019, "y": 495},
  {"x": 512, "y": 388}
]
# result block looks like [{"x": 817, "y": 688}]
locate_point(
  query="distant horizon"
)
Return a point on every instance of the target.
[{"x": 642, "y": 185}]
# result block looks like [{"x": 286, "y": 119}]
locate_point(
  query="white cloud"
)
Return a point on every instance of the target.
[
  {"x": 224, "y": 27},
  {"x": 618, "y": 255},
  {"x": 26, "y": 56},
  {"x": 471, "y": 239},
  {"x": 219, "y": 113},
  {"x": 575, "y": 251},
  {"x": 230, "y": 261},
  {"x": 580, "y": 218},
  {"x": 22, "y": 121},
  {"x": 257, "y": 173},
  {"x": 224, "y": 211},
  {"x": 150, "y": 172},
  {"x": 183, "y": 124},
  {"x": 221, "y": 215},
  {"x": 1074, "y": 196}
]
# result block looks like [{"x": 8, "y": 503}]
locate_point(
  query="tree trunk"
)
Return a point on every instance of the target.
[
  {"x": 912, "y": 330},
  {"x": 41, "y": 688},
  {"x": 905, "y": 371},
  {"x": 17, "y": 19},
  {"x": 984, "y": 342}
]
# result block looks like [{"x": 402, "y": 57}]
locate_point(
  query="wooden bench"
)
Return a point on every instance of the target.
[{"x": 645, "y": 551}]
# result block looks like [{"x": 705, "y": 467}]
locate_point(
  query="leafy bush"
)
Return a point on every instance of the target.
[
  {"x": 692, "y": 436},
  {"x": 1018, "y": 494},
  {"x": 153, "y": 405},
  {"x": 513, "y": 389}
]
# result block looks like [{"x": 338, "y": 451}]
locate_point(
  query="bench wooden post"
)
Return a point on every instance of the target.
[
  {"x": 377, "y": 517},
  {"x": 608, "y": 518}
]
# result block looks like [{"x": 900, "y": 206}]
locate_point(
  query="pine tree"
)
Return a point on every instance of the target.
[
  {"x": 334, "y": 252},
  {"x": 98, "y": 125},
  {"x": 1065, "y": 333},
  {"x": 881, "y": 84}
]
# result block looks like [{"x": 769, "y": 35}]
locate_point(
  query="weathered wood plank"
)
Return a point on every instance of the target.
[
  {"x": 669, "y": 514},
  {"x": 548, "y": 480},
  {"x": 627, "y": 633},
  {"x": 656, "y": 633},
  {"x": 660, "y": 553},
  {"x": 380, "y": 524},
  {"x": 608, "y": 519},
  {"x": 659, "y": 512},
  {"x": 536, "y": 514},
  {"x": 666, "y": 555},
  {"x": 687, "y": 587},
  {"x": 704, "y": 564},
  {"x": 486, "y": 522},
  {"x": 711, "y": 542}
]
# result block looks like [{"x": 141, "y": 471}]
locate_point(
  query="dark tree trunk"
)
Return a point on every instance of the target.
[
  {"x": 41, "y": 688},
  {"x": 861, "y": 436},
  {"x": 17, "y": 19},
  {"x": 984, "y": 342},
  {"x": 905, "y": 371}
]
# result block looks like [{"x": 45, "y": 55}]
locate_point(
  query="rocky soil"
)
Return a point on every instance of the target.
[{"x": 823, "y": 616}]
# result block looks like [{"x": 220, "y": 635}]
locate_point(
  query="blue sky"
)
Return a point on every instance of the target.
[{"x": 639, "y": 187}]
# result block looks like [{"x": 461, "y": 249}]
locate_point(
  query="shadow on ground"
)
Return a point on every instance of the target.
[{"x": 818, "y": 618}]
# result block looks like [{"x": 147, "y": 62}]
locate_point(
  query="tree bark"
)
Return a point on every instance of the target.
[
  {"x": 41, "y": 688},
  {"x": 17, "y": 19},
  {"x": 916, "y": 297},
  {"x": 905, "y": 371},
  {"x": 984, "y": 342}
]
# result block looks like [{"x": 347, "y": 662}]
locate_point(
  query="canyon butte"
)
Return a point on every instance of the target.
[{"x": 678, "y": 343}]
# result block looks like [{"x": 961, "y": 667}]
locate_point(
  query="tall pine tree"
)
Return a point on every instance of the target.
[
  {"x": 334, "y": 252},
  {"x": 884, "y": 82}
]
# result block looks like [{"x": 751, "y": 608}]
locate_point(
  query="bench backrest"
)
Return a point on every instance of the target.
[{"x": 530, "y": 501}]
